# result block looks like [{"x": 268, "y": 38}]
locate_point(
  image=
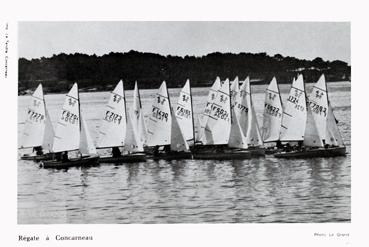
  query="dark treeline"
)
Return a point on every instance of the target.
[{"x": 92, "y": 72}]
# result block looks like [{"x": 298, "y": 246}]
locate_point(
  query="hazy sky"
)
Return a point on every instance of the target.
[{"x": 329, "y": 40}]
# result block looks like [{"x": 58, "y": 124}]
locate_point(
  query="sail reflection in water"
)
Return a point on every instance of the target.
[{"x": 188, "y": 191}]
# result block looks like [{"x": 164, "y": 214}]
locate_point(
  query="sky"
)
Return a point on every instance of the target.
[{"x": 305, "y": 40}]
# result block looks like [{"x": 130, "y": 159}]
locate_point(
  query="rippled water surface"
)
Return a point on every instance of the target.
[{"x": 188, "y": 191}]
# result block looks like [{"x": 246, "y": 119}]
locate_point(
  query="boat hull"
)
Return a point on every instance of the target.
[
  {"x": 313, "y": 153},
  {"x": 131, "y": 158},
  {"x": 220, "y": 152},
  {"x": 78, "y": 162},
  {"x": 173, "y": 156},
  {"x": 256, "y": 151},
  {"x": 37, "y": 158}
]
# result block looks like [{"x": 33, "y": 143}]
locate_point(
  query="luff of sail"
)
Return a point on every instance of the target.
[
  {"x": 318, "y": 103},
  {"x": 67, "y": 132},
  {"x": 86, "y": 145},
  {"x": 178, "y": 141},
  {"x": 273, "y": 110},
  {"x": 203, "y": 118},
  {"x": 183, "y": 112},
  {"x": 35, "y": 120},
  {"x": 160, "y": 120},
  {"x": 137, "y": 115},
  {"x": 294, "y": 114},
  {"x": 114, "y": 123},
  {"x": 218, "y": 126}
]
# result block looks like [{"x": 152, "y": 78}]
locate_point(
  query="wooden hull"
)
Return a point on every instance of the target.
[
  {"x": 78, "y": 162},
  {"x": 37, "y": 158},
  {"x": 172, "y": 156},
  {"x": 313, "y": 153},
  {"x": 131, "y": 158}
]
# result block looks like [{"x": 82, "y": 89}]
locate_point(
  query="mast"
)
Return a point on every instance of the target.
[
  {"x": 193, "y": 123},
  {"x": 79, "y": 118}
]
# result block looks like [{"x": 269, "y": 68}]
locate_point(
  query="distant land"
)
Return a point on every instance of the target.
[{"x": 101, "y": 73}]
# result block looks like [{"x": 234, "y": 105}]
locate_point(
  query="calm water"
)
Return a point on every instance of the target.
[{"x": 256, "y": 190}]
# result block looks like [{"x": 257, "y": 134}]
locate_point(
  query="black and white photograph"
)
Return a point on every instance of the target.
[{"x": 172, "y": 122}]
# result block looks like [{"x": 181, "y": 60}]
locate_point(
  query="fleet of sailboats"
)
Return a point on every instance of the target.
[{"x": 227, "y": 128}]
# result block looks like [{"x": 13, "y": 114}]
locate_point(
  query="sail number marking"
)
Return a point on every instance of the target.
[
  {"x": 69, "y": 117},
  {"x": 272, "y": 110},
  {"x": 318, "y": 109},
  {"x": 182, "y": 112},
  {"x": 113, "y": 117},
  {"x": 34, "y": 116},
  {"x": 220, "y": 113},
  {"x": 159, "y": 114}
]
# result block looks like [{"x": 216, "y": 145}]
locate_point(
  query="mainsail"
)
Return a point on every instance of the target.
[
  {"x": 35, "y": 121},
  {"x": 112, "y": 131},
  {"x": 86, "y": 145},
  {"x": 218, "y": 126},
  {"x": 160, "y": 120},
  {"x": 318, "y": 103},
  {"x": 203, "y": 119},
  {"x": 294, "y": 115},
  {"x": 184, "y": 114},
  {"x": 273, "y": 111},
  {"x": 137, "y": 115},
  {"x": 178, "y": 141},
  {"x": 235, "y": 90},
  {"x": 67, "y": 132}
]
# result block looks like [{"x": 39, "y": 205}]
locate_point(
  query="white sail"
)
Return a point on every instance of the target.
[
  {"x": 311, "y": 137},
  {"x": 184, "y": 112},
  {"x": 49, "y": 133},
  {"x": 235, "y": 90},
  {"x": 218, "y": 126},
  {"x": 333, "y": 134},
  {"x": 273, "y": 111},
  {"x": 35, "y": 121},
  {"x": 178, "y": 141},
  {"x": 236, "y": 137},
  {"x": 137, "y": 115},
  {"x": 160, "y": 120},
  {"x": 253, "y": 136},
  {"x": 203, "y": 119},
  {"x": 86, "y": 145},
  {"x": 133, "y": 143},
  {"x": 112, "y": 131},
  {"x": 318, "y": 102},
  {"x": 242, "y": 106},
  {"x": 294, "y": 115},
  {"x": 67, "y": 132}
]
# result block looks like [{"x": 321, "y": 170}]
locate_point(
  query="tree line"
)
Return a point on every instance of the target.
[{"x": 101, "y": 73}]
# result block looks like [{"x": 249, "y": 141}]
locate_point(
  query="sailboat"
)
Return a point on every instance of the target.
[
  {"x": 272, "y": 117},
  {"x": 245, "y": 112},
  {"x": 218, "y": 130},
  {"x": 168, "y": 130},
  {"x": 320, "y": 135},
  {"x": 119, "y": 129},
  {"x": 38, "y": 131},
  {"x": 72, "y": 134},
  {"x": 137, "y": 115}
]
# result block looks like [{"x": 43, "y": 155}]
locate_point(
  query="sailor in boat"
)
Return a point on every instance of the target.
[{"x": 116, "y": 152}]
